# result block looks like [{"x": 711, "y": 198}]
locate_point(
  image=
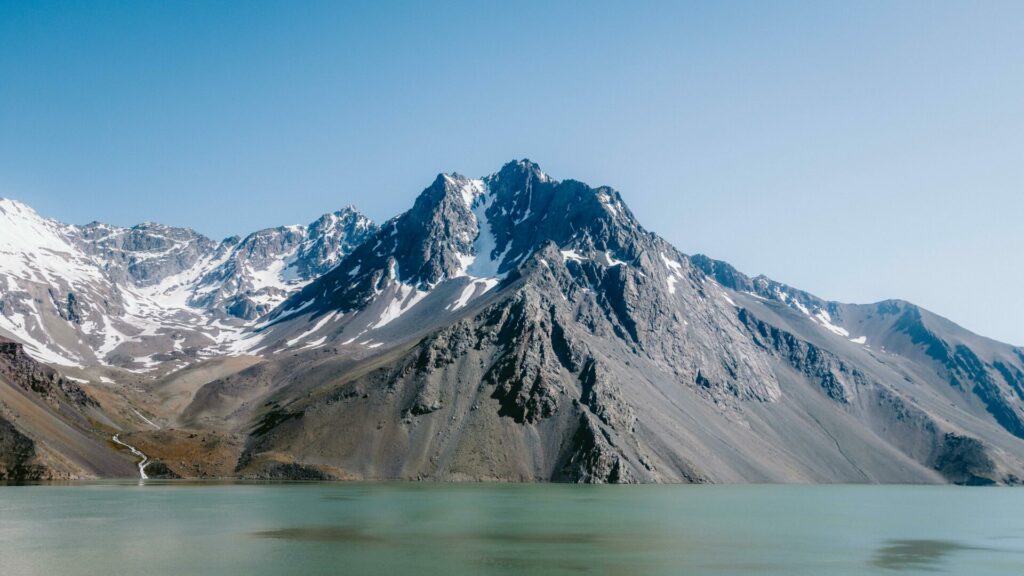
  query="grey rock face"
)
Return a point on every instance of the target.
[
  {"x": 142, "y": 255},
  {"x": 329, "y": 239},
  {"x": 255, "y": 274},
  {"x": 966, "y": 372},
  {"x": 594, "y": 460},
  {"x": 19, "y": 368},
  {"x": 420, "y": 248},
  {"x": 17, "y": 455},
  {"x": 599, "y": 338},
  {"x": 834, "y": 376},
  {"x": 48, "y": 424},
  {"x": 965, "y": 461},
  {"x": 973, "y": 366}
]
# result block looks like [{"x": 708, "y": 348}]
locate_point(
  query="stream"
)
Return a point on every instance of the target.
[{"x": 137, "y": 452}]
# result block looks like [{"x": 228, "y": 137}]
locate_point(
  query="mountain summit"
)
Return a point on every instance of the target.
[{"x": 511, "y": 327}]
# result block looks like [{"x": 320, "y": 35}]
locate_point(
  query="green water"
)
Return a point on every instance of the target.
[{"x": 171, "y": 528}]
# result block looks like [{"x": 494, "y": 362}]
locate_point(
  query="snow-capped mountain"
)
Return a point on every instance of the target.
[
  {"x": 511, "y": 327},
  {"x": 591, "y": 339},
  {"x": 461, "y": 238},
  {"x": 141, "y": 296},
  {"x": 257, "y": 273}
]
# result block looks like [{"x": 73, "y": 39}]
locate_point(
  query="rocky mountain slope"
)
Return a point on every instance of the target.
[
  {"x": 49, "y": 427},
  {"x": 518, "y": 327}
]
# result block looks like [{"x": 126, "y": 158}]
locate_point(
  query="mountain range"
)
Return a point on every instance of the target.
[{"x": 513, "y": 327}]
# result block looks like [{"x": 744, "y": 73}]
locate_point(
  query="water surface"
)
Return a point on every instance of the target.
[{"x": 452, "y": 529}]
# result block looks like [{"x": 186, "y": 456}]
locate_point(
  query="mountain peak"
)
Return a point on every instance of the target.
[
  {"x": 482, "y": 229},
  {"x": 10, "y": 204},
  {"x": 348, "y": 209},
  {"x": 520, "y": 168}
]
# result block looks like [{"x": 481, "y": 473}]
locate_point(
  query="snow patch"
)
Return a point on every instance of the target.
[
  {"x": 572, "y": 255},
  {"x": 484, "y": 263},
  {"x": 611, "y": 259},
  {"x": 675, "y": 272},
  {"x": 314, "y": 343},
  {"x": 672, "y": 265},
  {"x": 316, "y": 328},
  {"x": 609, "y": 204},
  {"x": 469, "y": 189},
  {"x": 825, "y": 320},
  {"x": 483, "y": 285},
  {"x": 406, "y": 297}
]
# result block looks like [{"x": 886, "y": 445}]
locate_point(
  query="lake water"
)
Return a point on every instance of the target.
[{"x": 452, "y": 529}]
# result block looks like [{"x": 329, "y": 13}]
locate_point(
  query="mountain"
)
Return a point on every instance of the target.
[
  {"x": 517, "y": 327},
  {"x": 151, "y": 295},
  {"x": 257, "y": 273}
]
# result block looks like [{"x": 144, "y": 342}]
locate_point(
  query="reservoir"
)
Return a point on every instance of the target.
[{"x": 181, "y": 528}]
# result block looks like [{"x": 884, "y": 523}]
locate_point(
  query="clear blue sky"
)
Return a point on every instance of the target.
[{"x": 860, "y": 151}]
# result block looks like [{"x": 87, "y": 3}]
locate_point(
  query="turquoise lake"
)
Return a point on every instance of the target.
[{"x": 451, "y": 529}]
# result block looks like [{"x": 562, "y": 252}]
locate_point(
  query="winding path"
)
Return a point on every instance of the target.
[{"x": 137, "y": 452}]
